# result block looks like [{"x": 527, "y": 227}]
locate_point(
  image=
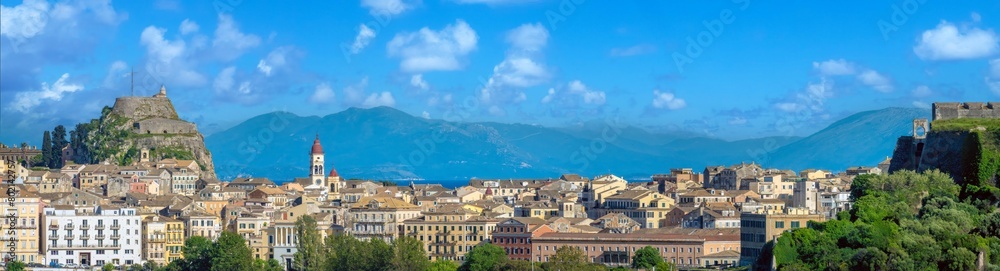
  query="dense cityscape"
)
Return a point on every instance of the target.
[{"x": 499, "y": 135}]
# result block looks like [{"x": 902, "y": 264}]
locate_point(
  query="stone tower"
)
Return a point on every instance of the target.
[
  {"x": 316, "y": 164},
  {"x": 163, "y": 92},
  {"x": 144, "y": 155},
  {"x": 335, "y": 183}
]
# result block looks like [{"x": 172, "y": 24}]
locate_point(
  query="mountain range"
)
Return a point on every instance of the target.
[{"x": 385, "y": 143}]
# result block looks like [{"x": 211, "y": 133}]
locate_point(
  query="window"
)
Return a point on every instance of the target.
[
  {"x": 795, "y": 224},
  {"x": 779, "y": 224}
]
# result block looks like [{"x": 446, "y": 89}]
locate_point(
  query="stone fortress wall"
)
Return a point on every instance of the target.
[
  {"x": 141, "y": 108},
  {"x": 946, "y": 111}
]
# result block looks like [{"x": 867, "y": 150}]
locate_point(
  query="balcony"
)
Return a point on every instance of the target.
[
  {"x": 156, "y": 240},
  {"x": 53, "y": 236},
  {"x": 79, "y": 246},
  {"x": 25, "y": 226},
  {"x": 85, "y": 237},
  {"x": 84, "y": 227},
  {"x": 99, "y": 227},
  {"x": 68, "y": 237},
  {"x": 116, "y": 227},
  {"x": 53, "y": 226},
  {"x": 115, "y": 237},
  {"x": 68, "y": 226},
  {"x": 99, "y": 237}
]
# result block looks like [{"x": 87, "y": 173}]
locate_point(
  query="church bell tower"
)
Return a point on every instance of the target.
[{"x": 316, "y": 173}]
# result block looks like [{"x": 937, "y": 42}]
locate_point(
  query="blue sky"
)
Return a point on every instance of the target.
[{"x": 730, "y": 69}]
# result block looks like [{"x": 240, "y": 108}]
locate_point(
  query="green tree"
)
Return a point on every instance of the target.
[
  {"x": 230, "y": 253},
  {"x": 345, "y": 253},
  {"x": 58, "y": 142},
  {"x": 268, "y": 265},
  {"x": 309, "y": 255},
  {"x": 16, "y": 266},
  {"x": 47, "y": 149},
  {"x": 568, "y": 258},
  {"x": 108, "y": 267},
  {"x": 408, "y": 254},
  {"x": 378, "y": 254},
  {"x": 646, "y": 258},
  {"x": 443, "y": 265},
  {"x": 665, "y": 266},
  {"x": 485, "y": 257},
  {"x": 517, "y": 265},
  {"x": 150, "y": 266},
  {"x": 196, "y": 253}
]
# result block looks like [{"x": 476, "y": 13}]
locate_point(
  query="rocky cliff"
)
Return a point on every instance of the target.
[{"x": 151, "y": 123}]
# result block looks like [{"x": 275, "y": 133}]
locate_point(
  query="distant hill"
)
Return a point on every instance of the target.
[
  {"x": 862, "y": 139},
  {"x": 385, "y": 143}
]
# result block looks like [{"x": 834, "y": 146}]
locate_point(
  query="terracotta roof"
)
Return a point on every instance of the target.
[{"x": 316, "y": 147}]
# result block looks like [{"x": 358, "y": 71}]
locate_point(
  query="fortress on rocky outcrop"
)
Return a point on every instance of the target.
[
  {"x": 927, "y": 148},
  {"x": 152, "y": 115},
  {"x": 156, "y": 125},
  {"x": 946, "y": 111}
]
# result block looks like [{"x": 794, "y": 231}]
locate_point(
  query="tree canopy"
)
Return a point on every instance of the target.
[
  {"x": 903, "y": 221},
  {"x": 485, "y": 257},
  {"x": 646, "y": 258}
]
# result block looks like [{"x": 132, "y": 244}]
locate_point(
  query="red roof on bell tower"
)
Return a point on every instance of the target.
[
  {"x": 317, "y": 148},
  {"x": 333, "y": 173}
]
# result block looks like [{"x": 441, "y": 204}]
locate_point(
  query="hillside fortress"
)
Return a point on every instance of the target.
[
  {"x": 156, "y": 125},
  {"x": 929, "y": 149},
  {"x": 946, "y": 111}
]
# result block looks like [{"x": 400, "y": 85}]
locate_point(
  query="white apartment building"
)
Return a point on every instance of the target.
[{"x": 109, "y": 235}]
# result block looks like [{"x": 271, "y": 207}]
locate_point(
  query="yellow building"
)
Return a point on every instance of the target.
[
  {"x": 162, "y": 239},
  {"x": 451, "y": 232},
  {"x": 26, "y": 210},
  {"x": 253, "y": 229},
  {"x": 644, "y": 206}
]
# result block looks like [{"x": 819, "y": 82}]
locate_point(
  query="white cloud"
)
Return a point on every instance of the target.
[
  {"x": 379, "y": 99},
  {"x": 229, "y": 42},
  {"x": 275, "y": 60},
  {"x": 834, "y": 67},
  {"x": 323, "y": 94},
  {"x": 116, "y": 71},
  {"x": 578, "y": 89},
  {"x": 425, "y": 115},
  {"x": 417, "y": 81},
  {"x": 224, "y": 80},
  {"x": 364, "y": 37},
  {"x": 812, "y": 98},
  {"x": 264, "y": 68},
  {"x": 26, "y": 101},
  {"x": 160, "y": 49},
  {"x": 386, "y": 7},
  {"x": 640, "y": 49},
  {"x": 188, "y": 27},
  {"x": 948, "y": 42},
  {"x": 521, "y": 68},
  {"x": 876, "y": 80},
  {"x": 25, "y": 20},
  {"x": 667, "y": 100},
  {"x": 922, "y": 91},
  {"x": 528, "y": 37},
  {"x": 429, "y": 50},
  {"x": 355, "y": 94}
]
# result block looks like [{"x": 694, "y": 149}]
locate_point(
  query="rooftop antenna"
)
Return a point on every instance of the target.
[{"x": 132, "y": 86}]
